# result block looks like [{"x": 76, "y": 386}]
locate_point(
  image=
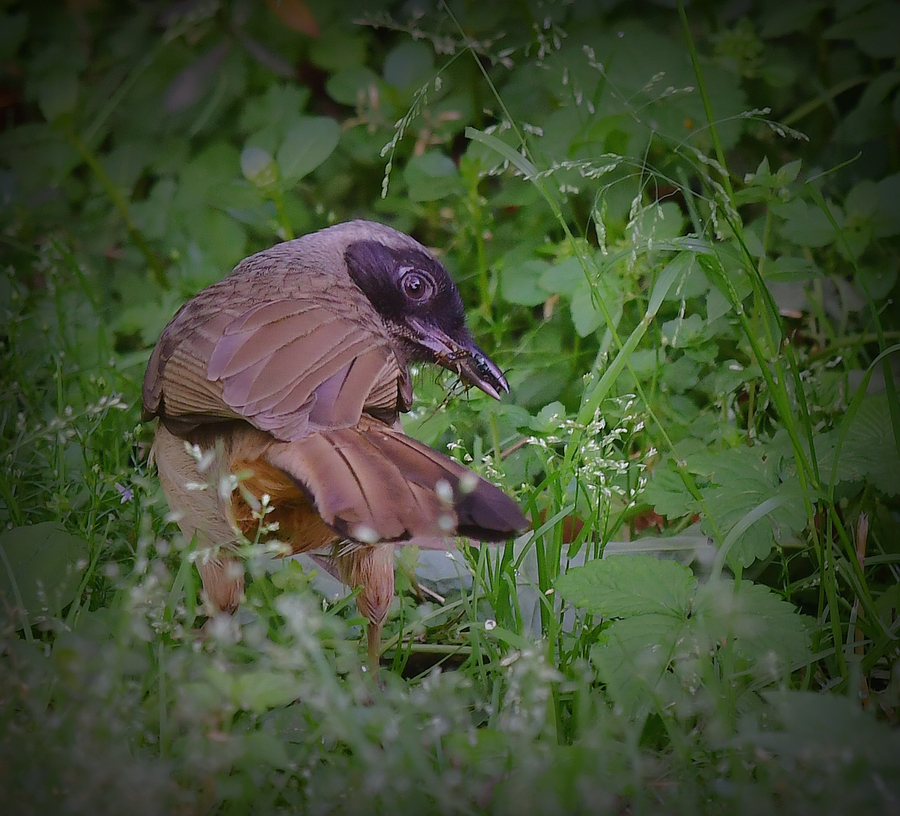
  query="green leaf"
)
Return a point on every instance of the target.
[
  {"x": 307, "y": 145},
  {"x": 42, "y": 567},
  {"x": 564, "y": 278},
  {"x": 586, "y": 316},
  {"x": 786, "y": 269},
  {"x": 338, "y": 48},
  {"x": 868, "y": 453},
  {"x": 56, "y": 94},
  {"x": 624, "y": 585},
  {"x": 409, "y": 65},
  {"x": 741, "y": 480},
  {"x": 520, "y": 283},
  {"x": 682, "y": 331},
  {"x": 666, "y": 494},
  {"x": 762, "y": 627},
  {"x": 634, "y": 659},
  {"x": 432, "y": 176},
  {"x": 258, "y": 690},
  {"x": 258, "y": 167},
  {"x": 352, "y": 86},
  {"x": 806, "y": 225},
  {"x": 664, "y": 651}
]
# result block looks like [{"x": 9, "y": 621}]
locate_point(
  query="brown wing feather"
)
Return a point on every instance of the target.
[
  {"x": 289, "y": 366},
  {"x": 371, "y": 483}
]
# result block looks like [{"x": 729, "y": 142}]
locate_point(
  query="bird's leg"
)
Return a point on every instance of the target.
[{"x": 371, "y": 568}]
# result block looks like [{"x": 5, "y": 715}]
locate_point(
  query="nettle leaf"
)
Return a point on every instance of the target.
[
  {"x": 762, "y": 627},
  {"x": 741, "y": 480},
  {"x": 619, "y": 586},
  {"x": 634, "y": 660},
  {"x": 672, "y": 629},
  {"x": 869, "y": 453},
  {"x": 790, "y": 269},
  {"x": 307, "y": 144},
  {"x": 666, "y": 493},
  {"x": 806, "y": 225},
  {"x": 45, "y": 564}
]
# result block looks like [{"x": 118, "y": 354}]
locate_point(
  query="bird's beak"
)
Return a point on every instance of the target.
[{"x": 462, "y": 355}]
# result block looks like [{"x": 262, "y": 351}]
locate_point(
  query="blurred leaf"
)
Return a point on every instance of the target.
[
  {"x": 520, "y": 282},
  {"x": 339, "y": 49},
  {"x": 258, "y": 167},
  {"x": 786, "y": 269},
  {"x": 194, "y": 81},
  {"x": 409, "y": 65},
  {"x": 258, "y": 690},
  {"x": 12, "y": 32},
  {"x": 586, "y": 316},
  {"x": 278, "y": 108},
  {"x": 876, "y": 30},
  {"x": 805, "y": 224},
  {"x": 682, "y": 331},
  {"x": 306, "y": 145},
  {"x": 563, "y": 278},
  {"x": 664, "y": 646},
  {"x": 353, "y": 86},
  {"x": 887, "y": 216},
  {"x": 47, "y": 564},
  {"x": 432, "y": 176},
  {"x": 56, "y": 94},
  {"x": 295, "y": 14}
]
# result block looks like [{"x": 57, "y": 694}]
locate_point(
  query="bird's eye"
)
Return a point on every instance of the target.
[{"x": 416, "y": 286}]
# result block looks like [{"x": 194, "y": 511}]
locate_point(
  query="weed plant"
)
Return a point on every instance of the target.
[{"x": 678, "y": 232}]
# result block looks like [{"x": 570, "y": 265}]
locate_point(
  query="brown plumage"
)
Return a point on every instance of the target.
[{"x": 294, "y": 370}]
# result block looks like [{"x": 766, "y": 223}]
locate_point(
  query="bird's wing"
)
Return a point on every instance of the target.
[
  {"x": 372, "y": 483},
  {"x": 288, "y": 366}
]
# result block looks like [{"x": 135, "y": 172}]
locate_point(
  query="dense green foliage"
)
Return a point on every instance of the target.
[{"x": 677, "y": 230}]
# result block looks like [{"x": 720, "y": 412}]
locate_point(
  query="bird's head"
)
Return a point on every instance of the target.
[{"x": 419, "y": 304}]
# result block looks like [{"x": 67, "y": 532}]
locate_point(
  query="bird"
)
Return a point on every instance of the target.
[{"x": 291, "y": 375}]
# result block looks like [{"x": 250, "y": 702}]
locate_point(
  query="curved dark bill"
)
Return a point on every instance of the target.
[{"x": 462, "y": 355}]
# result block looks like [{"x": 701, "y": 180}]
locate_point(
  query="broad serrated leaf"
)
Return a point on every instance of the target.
[
  {"x": 764, "y": 628},
  {"x": 868, "y": 453},
  {"x": 666, "y": 493},
  {"x": 618, "y": 586},
  {"x": 634, "y": 657},
  {"x": 806, "y": 225},
  {"x": 742, "y": 479},
  {"x": 46, "y": 563},
  {"x": 307, "y": 144}
]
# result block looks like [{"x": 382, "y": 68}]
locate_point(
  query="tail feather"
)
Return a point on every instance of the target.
[{"x": 372, "y": 483}]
